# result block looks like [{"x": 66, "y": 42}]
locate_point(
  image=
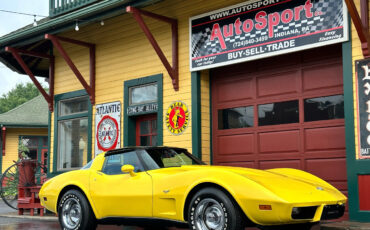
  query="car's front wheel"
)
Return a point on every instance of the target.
[
  {"x": 212, "y": 209},
  {"x": 74, "y": 212}
]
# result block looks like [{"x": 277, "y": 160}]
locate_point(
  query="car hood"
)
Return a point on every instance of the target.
[{"x": 292, "y": 188}]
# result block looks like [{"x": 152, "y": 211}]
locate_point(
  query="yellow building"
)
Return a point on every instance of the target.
[
  {"x": 26, "y": 124},
  {"x": 260, "y": 84}
]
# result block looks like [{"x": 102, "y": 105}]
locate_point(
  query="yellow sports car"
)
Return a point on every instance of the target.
[{"x": 169, "y": 183}]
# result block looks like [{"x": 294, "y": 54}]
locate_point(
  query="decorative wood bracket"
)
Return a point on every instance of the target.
[
  {"x": 3, "y": 136},
  {"x": 173, "y": 70},
  {"x": 90, "y": 89},
  {"x": 17, "y": 55},
  {"x": 361, "y": 24}
]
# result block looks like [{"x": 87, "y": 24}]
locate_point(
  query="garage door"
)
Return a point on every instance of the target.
[{"x": 286, "y": 111}]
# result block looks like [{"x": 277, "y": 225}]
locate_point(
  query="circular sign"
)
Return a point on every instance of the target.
[
  {"x": 107, "y": 133},
  {"x": 177, "y": 117}
]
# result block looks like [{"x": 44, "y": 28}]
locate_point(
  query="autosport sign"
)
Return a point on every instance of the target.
[
  {"x": 363, "y": 108},
  {"x": 107, "y": 126},
  {"x": 264, "y": 28}
]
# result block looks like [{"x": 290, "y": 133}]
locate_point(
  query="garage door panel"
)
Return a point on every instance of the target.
[
  {"x": 325, "y": 138},
  {"x": 250, "y": 164},
  {"x": 277, "y": 142},
  {"x": 235, "y": 144},
  {"x": 280, "y": 164},
  {"x": 328, "y": 169},
  {"x": 228, "y": 91},
  {"x": 323, "y": 76},
  {"x": 287, "y": 82}
]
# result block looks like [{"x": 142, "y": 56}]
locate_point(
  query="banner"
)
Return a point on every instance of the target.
[
  {"x": 363, "y": 108},
  {"x": 264, "y": 28},
  {"x": 107, "y": 127}
]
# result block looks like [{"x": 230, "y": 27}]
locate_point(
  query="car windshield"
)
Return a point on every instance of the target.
[{"x": 165, "y": 158}]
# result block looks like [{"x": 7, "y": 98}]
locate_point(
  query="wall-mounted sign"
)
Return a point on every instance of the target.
[
  {"x": 107, "y": 127},
  {"x": 363, "y": 109},
  {"x": 177, "y": 117},
  {"x": 264, "y": 28},
  {"x": 142, "y": 109}
]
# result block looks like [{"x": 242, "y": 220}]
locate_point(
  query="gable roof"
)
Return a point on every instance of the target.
[{"x": 33, "y": 113}]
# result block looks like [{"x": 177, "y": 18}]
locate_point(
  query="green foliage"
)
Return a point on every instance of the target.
[
  {"x": 22, "y": 150},
  {"x": 17, "y": 96}
]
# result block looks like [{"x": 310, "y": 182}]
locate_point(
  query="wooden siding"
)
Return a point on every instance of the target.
[
  {"x": 12, "y": 140},
  {"x": 124, "y": 53},
  {"x": 206, "y": 117}
]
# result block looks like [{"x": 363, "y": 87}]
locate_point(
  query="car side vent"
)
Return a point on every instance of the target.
[{"x": 299, "y": 213}]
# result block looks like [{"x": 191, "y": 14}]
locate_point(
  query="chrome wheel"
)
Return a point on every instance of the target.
[
  {"x": 71, "y": 213},
  {"x": 209, "y": 214}
]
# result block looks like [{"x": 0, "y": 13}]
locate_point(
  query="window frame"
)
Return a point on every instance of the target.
[
  {"x": 57, "y": 118},
  {"x": 129, "y": 120}
]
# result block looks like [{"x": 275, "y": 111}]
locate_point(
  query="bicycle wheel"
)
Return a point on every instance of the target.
[{"x": 9, "y": 186}]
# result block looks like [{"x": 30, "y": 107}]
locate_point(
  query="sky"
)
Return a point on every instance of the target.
[{"x": 10, "y": 22}]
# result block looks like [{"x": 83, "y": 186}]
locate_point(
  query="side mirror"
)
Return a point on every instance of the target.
[{"x": 128, "y": 169}]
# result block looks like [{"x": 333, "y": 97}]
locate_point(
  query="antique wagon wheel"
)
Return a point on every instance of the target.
[
  {"x": 11, "y": 178},
  {"x": 9, "y": 186}
]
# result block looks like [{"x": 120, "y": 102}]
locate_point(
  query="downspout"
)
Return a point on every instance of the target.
[{"x": 3, "y": 137}]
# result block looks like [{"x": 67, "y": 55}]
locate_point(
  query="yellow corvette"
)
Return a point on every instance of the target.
[{"x": 169, "y": 183}]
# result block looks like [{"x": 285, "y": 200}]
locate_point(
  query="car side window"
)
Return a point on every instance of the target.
[{"x": 113, "y": 163}]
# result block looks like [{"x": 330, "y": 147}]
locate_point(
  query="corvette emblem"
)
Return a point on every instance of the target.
[{"x": 320, "y": 188}]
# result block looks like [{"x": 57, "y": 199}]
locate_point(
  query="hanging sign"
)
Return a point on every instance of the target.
[
  {"x": 177, "y": 117},
  {"x": 107, "y": 127},
  {"x": 264, "y": 28},
  {"x": 363, "y": 109}
]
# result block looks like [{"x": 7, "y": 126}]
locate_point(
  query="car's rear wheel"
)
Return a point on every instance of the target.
[
  {"x": 75, "y": 213},
  {"x": 211, "y": 208}
]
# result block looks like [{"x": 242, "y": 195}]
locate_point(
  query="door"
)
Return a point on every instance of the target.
[
  {"x": 146, "y": 130},
  {"x": 286, "y": 111},
  {"x": 117, "y": 194}
]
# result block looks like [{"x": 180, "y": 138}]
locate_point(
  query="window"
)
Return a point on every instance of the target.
[
  {"x": 143, "y": 94},
  {"x": 73, "y": 106},
  {"x": 72, "y": 135},
  {"x": 233, "y": 118},
  {"x": 113, "y": 163},
  {"x": 146, "y": 130},
  {"x": 278, "y": 113},
  {"x": 324, "y": 108}
]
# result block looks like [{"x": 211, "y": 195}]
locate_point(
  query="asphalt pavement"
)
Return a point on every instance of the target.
[{"x": 9, "y": 220}]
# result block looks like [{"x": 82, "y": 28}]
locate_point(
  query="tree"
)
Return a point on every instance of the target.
[{"x": 17, "y": 96}]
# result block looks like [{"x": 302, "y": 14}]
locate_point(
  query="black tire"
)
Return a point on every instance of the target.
[
  {"x": 74, "y": 212},
  {"x": 211, "y": 208}
]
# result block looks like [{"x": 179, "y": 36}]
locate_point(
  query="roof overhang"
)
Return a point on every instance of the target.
[{"x": 32, "y": 38}]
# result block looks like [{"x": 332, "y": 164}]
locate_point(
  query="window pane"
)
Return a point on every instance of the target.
[
  {"x": 143, "y": 94},
  {"x": 235, "y": 118},
  {"x": 324, "y": 108},
  {"x": 145, "y": 140},
  {"x": 278, "y": 113},
  {"x": 113, "y": 163},
  {"x": 73, "y": 106},
  {"x": 154, "y": 126},
  {"x": 154, "y": 140},
  {"x": 144, "y": 127},
  {"x": 72, "y": 146}
]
